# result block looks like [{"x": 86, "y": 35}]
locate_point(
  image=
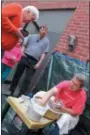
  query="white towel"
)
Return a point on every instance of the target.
[
  {"x": 66, "y": 123},
  {"x": 39, "y": 109}
]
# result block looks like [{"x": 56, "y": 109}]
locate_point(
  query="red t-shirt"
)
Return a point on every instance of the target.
[{"x": 71, "y": 99}]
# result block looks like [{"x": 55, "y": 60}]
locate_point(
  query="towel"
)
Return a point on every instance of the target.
[
  {"x": 39, "y": 109},
  {"x": 66, "y": 123}
]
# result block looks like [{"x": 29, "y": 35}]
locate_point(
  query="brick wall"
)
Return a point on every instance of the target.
[
  {"x": 78, "y": 25},
  {"x": 45, "y": 5}
]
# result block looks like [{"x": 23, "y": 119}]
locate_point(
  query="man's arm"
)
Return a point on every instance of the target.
[
  {"x": 40, "y": 61},
  {"x": 47, "y": 96},
  {"x": 43, "y": 55},
  {"x": 52, "y": 92},
  {"x": 8, "y": 13},
  {"x": 7, "y": 24},
  {"x": 69, "y": 111},
  {"x": 10, "y": 27},
  {"x": 77, "y": 108}
]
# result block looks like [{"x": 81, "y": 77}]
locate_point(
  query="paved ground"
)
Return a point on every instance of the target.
[
  {"x": 8, "y": 117},
  {"x": 5, "y": 87}
]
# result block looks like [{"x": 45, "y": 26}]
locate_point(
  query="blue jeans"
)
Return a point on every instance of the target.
[
  {"x": 54, "y": 130},
  {"x": 5, "y": 70}
]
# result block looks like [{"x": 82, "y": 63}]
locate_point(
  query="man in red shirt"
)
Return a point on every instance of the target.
[{"x": 73, "y": 98}]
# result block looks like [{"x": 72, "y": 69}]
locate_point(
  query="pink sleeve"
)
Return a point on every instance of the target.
[
  {"x": 62, "y": 85},
  {"x": 7, "y": 55}
]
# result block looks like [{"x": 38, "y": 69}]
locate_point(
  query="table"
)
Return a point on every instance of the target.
[{"x": 20, "y": 109}]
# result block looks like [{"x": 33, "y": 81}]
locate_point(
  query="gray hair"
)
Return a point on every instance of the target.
[
  {"x": 81, "y": 77},
  {"x": 33, "y": 9}
]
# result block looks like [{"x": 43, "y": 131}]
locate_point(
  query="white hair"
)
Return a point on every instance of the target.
[
  {"x": 33, "y": 9},
  {"x": 81, "y": 77}
]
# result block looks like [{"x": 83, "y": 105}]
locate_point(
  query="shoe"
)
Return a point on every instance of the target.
[{"x": 7, "y": 93}]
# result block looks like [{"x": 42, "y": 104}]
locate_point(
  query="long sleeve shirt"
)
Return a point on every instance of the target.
[{"x": 11, "y": 21}]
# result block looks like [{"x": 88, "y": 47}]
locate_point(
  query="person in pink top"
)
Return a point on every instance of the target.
[{"x": 9, "y": 60}]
